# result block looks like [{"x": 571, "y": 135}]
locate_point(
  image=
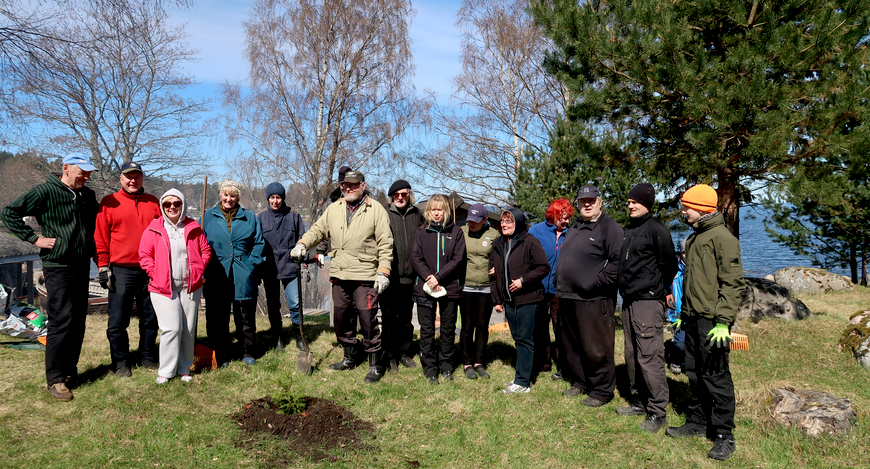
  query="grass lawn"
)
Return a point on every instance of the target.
[{"x": 115, "y": 422}]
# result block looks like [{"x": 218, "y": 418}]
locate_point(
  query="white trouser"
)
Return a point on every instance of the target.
[{"x": 176, "y": 317}]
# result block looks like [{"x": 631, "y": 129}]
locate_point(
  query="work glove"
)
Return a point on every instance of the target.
[
  {"x": 719, "y": 335},
  {"x": 382, "y": 282},
  {"x": 306, "y": 274},
  {"x": 298, "y": 252},
  {"x": 675, "y": 326},
  {"x": 107, "y": 280},
  {"x": 321, "y": 260}
]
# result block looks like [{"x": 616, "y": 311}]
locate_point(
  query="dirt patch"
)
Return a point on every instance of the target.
[{"x": 322, "y": 429}]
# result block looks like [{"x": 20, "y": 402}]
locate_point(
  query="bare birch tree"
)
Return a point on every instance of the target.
[
  {"x": 503, "y": 105},
  {"x": 330, "y": 84},
  {"x": 111, "y": 87}
]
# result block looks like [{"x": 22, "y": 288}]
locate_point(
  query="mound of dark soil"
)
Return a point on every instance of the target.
[{"x": 317, "y": 432}]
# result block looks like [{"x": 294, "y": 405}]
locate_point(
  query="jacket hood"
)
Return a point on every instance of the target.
[
  {"x": 519, "y": 222},
  {"x": 176, "y": 193}
]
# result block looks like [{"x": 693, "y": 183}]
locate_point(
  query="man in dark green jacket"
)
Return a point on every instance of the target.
[
  {"x": 711, "y": 295},
  {"x": 66, "y": 211}
]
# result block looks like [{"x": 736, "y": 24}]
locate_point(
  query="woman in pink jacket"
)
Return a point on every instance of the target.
[{"x": 174, "y": 253}]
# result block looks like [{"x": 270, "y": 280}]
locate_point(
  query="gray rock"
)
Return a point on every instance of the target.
[
  {"x": 765, "y": 299},
  {"x": 856, "y": 338},
  {"x": 813, "y": 412},
  {"x": 811, "y": 280}
]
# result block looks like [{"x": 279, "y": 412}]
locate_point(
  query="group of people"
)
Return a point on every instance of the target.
[{"x": 564, "y": 270}]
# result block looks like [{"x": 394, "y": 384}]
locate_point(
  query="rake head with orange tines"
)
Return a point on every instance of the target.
[{"x": 739, "y": 341}]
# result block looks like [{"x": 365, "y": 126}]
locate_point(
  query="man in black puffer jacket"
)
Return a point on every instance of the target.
[{"x": 647, "y": 265}]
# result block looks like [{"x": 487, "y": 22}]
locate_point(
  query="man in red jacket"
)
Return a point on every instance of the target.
[{"x": 123, "y": 217}]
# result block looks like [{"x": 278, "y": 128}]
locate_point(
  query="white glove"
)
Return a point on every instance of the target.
[
  {"x": 298, "y": 252},
  {"x": 383, "y": 282},
  {"x": 321, "y": 260}
]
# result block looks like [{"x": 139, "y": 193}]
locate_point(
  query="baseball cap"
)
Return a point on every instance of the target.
[
  {"x": 131, "y": 166},
  {"x": 354, "y": 177},
  {"x": 80, "y": 160},
  {"x": 588, "y": 192},
  {"x": 477, "y": 213}
]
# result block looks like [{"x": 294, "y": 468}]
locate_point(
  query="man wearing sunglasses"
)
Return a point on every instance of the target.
[{"x": 123, "y": 217}]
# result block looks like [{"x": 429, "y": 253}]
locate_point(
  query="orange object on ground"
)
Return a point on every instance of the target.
[
  {"x": 739, "y": 341},
  {"x": 42, "y": 339},
  {"x": 203, "y": 357},
  {"x": 500, "y": 327}
]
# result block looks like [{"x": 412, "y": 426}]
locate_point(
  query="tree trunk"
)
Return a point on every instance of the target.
[
  {"x": 864, "y": 269},
  {"x": 729, "y": 202},
  {"x": 853, "y": 263}
]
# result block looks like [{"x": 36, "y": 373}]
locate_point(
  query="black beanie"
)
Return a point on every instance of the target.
[
  {"x": 397, "y": 186},
  {"x": 275, "y": 188},
  {"x": 643, "y": 193}
]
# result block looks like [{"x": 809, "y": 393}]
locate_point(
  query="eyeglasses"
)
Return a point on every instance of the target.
[
  {"x": 350, "y": 185},
  {"x": 172, "y": 204},
  {"x": 401, "y": 195}
]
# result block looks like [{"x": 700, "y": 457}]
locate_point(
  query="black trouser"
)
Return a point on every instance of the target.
[
  {"x": 544, "y": 353},
  {"x": 347, "y": 294},
  {"x": 426, "y": 316},
  {"x": 131, "y": 284},
  {"x": 521, "y": 320},
  {"x": 397, "y": 311},
  {"x": 476, "y": 312},
  {"x": 713, "y": 399},
  {"x": 66, "y": 311},
  {"x": 220, "y": 302},
  {"x": 588, "y": 335},
  {"x": 643, "y": 327}
]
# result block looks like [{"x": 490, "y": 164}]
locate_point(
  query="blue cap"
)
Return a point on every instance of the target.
[
  {"x": 79, "y": 160},
  {"x": 477, "y": 213}
]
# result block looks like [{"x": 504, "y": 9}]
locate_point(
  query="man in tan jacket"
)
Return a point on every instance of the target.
[{"x": 361, "y": 253}]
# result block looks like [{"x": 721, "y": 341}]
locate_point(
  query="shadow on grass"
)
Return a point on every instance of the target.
[{"x": 679, "y": 391}]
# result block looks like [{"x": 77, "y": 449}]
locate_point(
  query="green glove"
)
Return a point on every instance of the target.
[
  {"x": 677, "y": 324},
  {"x": 719, "y": 335}
]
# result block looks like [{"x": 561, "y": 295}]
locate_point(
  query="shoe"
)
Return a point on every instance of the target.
[
  {"x": 279, "y": 347},
  {"x": 150, "y": 364},
  {"x": 653, "y": 424},
  {"x": 722, "y": 448},
  {"x": 347, "y": 362},
  {"x": 394, "y": 366},
  {"x": 676, "y": 369},
  {"x": 557, "y": 376},
  {"x": 432, "y": 379},
  {"x": 249, "y": 361},
  {"x": 123, "y": 372},
  {"x": 470, "y": 373},
  {"x": 509, "y": 383},
  {"x": 592, "y": 402},
  {"x": 186, "y": 378},
  {"x": 408, "y": 362},
  {"x": 481, "y": 371},
  {"x": 60, "y": 392},
  {"x": 573, "y": 391},
  {"x": 516, "y": 389},
  {"x": 376, "y": 370},
  {"x": 687, "y": 430},
  {"x": 447, "y": 374},
  {"x": 633, "y": 409},
  {"x": 161, "y": 380},
  {"x": 71, "y": 381},
  {"x": 224, "y": 365}
]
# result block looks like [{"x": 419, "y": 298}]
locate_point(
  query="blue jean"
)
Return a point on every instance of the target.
[
  {"x": 521, "y": 320},
  {"x": 273, "y": 301}
]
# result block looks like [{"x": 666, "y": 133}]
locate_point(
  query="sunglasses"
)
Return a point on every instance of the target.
[
  {"x": 400, "y": 195},
  {"x": 172, "y": 204}
]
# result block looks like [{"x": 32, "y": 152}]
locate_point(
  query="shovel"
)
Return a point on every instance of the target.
[{"x": 305, "y": 355}]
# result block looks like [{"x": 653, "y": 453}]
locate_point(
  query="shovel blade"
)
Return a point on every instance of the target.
[{"x": 304, "y": 363}]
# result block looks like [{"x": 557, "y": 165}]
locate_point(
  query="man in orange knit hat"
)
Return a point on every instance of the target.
[{"x": 712, "y": 284}]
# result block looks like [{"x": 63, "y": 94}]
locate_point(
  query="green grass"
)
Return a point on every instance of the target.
[{"x": 135, "y": 423}]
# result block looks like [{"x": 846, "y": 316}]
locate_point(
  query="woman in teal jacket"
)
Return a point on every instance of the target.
[{"x": 236, "y": 237}]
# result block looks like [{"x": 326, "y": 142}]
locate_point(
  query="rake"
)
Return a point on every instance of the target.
[{"x": 739, "y": 341}]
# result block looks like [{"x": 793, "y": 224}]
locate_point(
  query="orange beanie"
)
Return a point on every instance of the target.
[{"x": 702, "y": 198}]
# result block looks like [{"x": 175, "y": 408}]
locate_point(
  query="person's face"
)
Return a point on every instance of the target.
[
  {"x": 76, "y": 177},
  {"x": 691, "y": 214},
  {"x": 275, "y": 201},
  {"x": 437, "y": 214},
  {"x": 172, "y": 208},
  {"x": 475, "y": 225},
  {"x": 229, "y": 201},
  {"x": 562, "y": 221},
  {"x": 401, "y": 198},
  {"x": 353, "y": 191},
  {"x": 589, "y": 208},
  {"x": 636, "y": 209},
  {"x": 508, "y": 225},
  {"x": 132, "y": 181}
]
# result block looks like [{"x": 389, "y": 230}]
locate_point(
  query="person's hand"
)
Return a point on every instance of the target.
[
  {"x": 516, "y": 285},
  {"x": 321, "y": 260},
  {"x": 45, "y": 243},
  {"x": 669, "y": 300},
  {"x": 433, "y": 283},
  {"x": 676, "y": 325},
  {"x": 107, "y": 279},
  {"x": 499, "y": 308},
  {"x": 382, "y": 281},
  {"x": 298, "y": 252},
  {"x": 719, "y": 335},
  {"x": 492, "y": 271}
]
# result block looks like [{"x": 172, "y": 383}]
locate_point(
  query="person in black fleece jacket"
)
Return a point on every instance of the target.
[{"x": 586, "y": 285}]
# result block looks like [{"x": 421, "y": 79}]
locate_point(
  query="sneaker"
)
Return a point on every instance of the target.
[
  {"x": 481, "y": 371},
  {"x": 408, "y": 362},
  {"x": 123, "y": 372},
  {"x": 432, "y": 379},
  {"x": 653, "y": 424},
  {"x": 186, "y": 378},
  {"x": 150, "y": 364},
  {"x": 470, "y": 373},
  {"x": 633, "y": 409},
  {"x": 516, "y": 389},
  {"x": 687, "y": 430},
  {"x": 60, "y": 392},
  {"x": 557, "y": 376},
  {"x": 676, "y": 369},
  {"x": 592, "y": 402},
  {"x": 509, "y": 383},
  {"x": 447, "y": 374},
  {"x": 249, "y": 361},
  {"x": 722, "y": 448},
  {"x": 573, "y": 391},
  {"x": 161, "y": 380},
  {"x": 224, "y": 365}
]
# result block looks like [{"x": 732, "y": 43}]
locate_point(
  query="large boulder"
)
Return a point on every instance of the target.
[
  {"x": 813, "y": 412},
  {"x": 765, "y": 299},
  {"x": 811, "y": 280},
  {"x": 856, "y": 338}
]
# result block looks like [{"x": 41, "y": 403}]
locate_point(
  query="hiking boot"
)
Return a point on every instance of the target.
[
  {"x": 687, "y": 430},
  {"x": 592, "y": 402},
  {"x": 408, "y": 362},
  {"x": 470, "y": 373},
  {"x": 516, "y": 389},
  {"x": 481, "y": 371},
  {"x": 347, "y": 362},
  {"x": 447, "y": 374},
  {"x": 635, "y": 408},
  {"x": 294, "y": 332},
  {"x": 653, "y": 424},
  {"x": 376, "y": 370},
  {"x": 394, "y": 366},
  {"x": 60, "y": 392},
  {"x": 573, "y": 391},
  {"x": 123, "y": 372},
  {"x": 722, "y": 448},
  {"x": 279, "y": 347}
]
